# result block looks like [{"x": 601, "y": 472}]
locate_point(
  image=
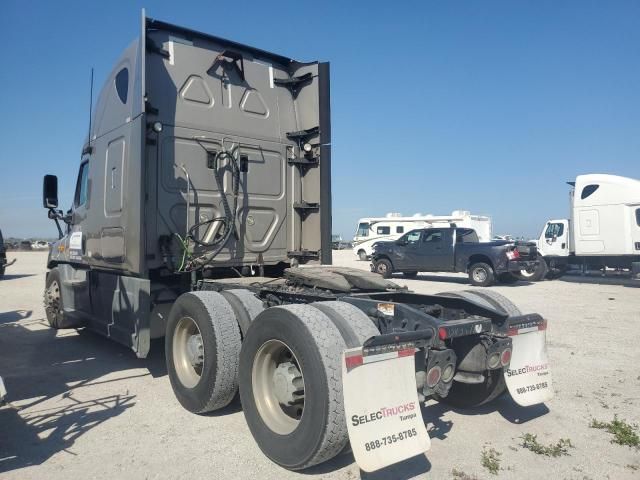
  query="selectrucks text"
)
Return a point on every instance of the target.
[
  {"x": 528, "y": 369},
  {"x": 382, "y": 413}
]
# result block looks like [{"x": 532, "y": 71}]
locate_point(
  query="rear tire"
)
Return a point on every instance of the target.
[
  {"x": 362, "y": 255},
  {"x": 536, "y": 274},
  {"x": 481, "y": 274},
  {"x": 303, "y": 343},
  {"x": 383, "y": 267},
  {"x": 202, "y": 348},
  {"x": 354, "y": 325},
  {"x": 245, "y": 304},
  {"x": 465, "y": 395}
]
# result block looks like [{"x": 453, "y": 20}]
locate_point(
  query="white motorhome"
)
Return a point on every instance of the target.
[
  {"x": 603, "y": 229},
  {"x": 393, "y": 225}
]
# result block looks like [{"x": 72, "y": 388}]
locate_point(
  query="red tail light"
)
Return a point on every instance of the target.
[
  {"x": 513, "y": 254},
  {"x": 505, "y": 358}
]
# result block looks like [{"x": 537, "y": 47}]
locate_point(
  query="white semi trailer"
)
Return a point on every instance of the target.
[{"x": 602, "y": 231}]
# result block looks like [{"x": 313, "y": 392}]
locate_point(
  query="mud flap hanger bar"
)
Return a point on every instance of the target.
[
  {"x": 230, "y": 59},
  {"x": 294, "y": 84}
]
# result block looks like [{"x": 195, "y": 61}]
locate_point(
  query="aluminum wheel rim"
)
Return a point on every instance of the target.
[
  {"x": 188, "y": 369},
  {"x": 479, "y": 275},
  {"x": 53, "y": 297},
  {"x": 280, "y": 418},
  {"x": 526, "y": 273}
]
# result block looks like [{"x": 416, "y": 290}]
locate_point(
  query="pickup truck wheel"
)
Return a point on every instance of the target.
[
  {"x": 291, "y": 385},
  {"x": 410, "y": 274},
  {"x": 362, "y": 255},
  {"x": 481, "y": 274},
  {"x": 535, "y": 274},
  {"x": 53, "y": 305},
  {"x": 202, "y": 349},
  {"x": 383, "y": 267},
  {"x": 245, "y": 304},
  {"x": 465, "y": 395}
]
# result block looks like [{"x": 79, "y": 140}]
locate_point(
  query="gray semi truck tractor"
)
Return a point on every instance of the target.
[{"x": 202, "y": 214}]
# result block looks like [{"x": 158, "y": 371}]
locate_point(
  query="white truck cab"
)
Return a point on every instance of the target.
[{"x": 603, "y": 231}]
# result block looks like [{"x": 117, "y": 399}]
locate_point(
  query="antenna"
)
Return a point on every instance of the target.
[{"x": 90, "y": 104}]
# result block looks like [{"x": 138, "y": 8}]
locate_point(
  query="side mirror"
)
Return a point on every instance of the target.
[{"x": 50, "y": 191}]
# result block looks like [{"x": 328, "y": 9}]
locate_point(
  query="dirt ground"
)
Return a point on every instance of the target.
[{"x": 81, "y": 406}]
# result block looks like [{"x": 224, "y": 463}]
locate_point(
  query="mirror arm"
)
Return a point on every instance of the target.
[{"x": 56, "y": 216}]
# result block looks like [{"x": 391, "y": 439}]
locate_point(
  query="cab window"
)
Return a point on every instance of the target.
[
  {"x": 554, "y": 230},
  {"x": 466, "y": 236},
  {"x": 411, "y": 237},
  {"x": 432, "y": 237},
  {"x": 588, "y": 191},
  {"x": 81, "y": 188},
  {"x": 363, "y": 230},
  {"x": 383, "y": 230}
]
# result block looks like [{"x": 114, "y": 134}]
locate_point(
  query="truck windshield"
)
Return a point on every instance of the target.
[{"x": 363, "y": 230}]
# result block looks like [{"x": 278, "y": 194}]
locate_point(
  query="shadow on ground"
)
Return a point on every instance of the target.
[
  {"x": 505, "y": 406},
  {"x": 8, "y": 276},
  {"x": 459, "y": 280},
  {"x": 38, "y": 365},
  {"x": 598, "y": 279},
  {"x": 14, "y": 316}
]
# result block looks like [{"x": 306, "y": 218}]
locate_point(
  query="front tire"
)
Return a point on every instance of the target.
[
  {"x": 291, "y": 385},
  {"x": 481, "y": 274},
  {"x": 53, "y": 306},
  {"x": 202, "y": 348},
  {"x": 383, "y": 267}
]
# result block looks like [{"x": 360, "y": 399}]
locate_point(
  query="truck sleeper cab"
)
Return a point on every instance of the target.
[{"x": 205, "y": 178}]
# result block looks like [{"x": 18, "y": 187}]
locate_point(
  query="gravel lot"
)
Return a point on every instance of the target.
[{"x": 83, "y": 407}]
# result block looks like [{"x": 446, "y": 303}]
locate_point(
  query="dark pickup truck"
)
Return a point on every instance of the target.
[{"x": 453, "y": 250}]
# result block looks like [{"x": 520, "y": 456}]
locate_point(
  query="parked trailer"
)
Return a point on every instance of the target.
[
  {"x": 392, "y": 226},
  {"x": 207, "y": 161},
  {"x": 603, "y": 231}
]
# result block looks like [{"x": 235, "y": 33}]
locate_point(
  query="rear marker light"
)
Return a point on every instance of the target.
[
  {"x": 494, "y": 360},
  {"x": 433, "y": 376},
  {"x": 442, "y": 333},
  {"x": 447, "y": 373},
  {"x": 513, "y": 254},
  {"x": 505, "y": 358}
]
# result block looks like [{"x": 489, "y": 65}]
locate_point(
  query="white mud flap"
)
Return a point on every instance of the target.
[
  {"x": 528, "y": 377},
  {"x": 381, "y": 406}
]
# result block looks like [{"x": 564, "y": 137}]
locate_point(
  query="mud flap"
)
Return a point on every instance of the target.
[
  {"x": 381, "y": 406},
  {"x": 528, "y": 377}
]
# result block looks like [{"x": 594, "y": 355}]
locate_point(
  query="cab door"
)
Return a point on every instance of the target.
[
  {"x": 436, "y": 250},
  {"x": 556, "y": 238}
]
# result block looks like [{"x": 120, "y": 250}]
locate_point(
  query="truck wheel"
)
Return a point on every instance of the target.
[
  {"x": 507, "y": 278},
  {"x": 291, "y": 385},
  {"x": 362, "y": 255},
  {"x": 412, "y": 274},
  {"x": 481, "y": 274},
  {"x": 535, "y": 274},
  {"x": 245, "y": 304},
  {"x": 53, "y": 306},
  {"x": 202, "y": 349},
  {"x": 465, "y": 395},
  {"x": 354, "y": 325},
  {"x": 383, "y": 267}
]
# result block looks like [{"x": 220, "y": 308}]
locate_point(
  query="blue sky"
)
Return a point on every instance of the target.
[{"x": 488, "y": 106}]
